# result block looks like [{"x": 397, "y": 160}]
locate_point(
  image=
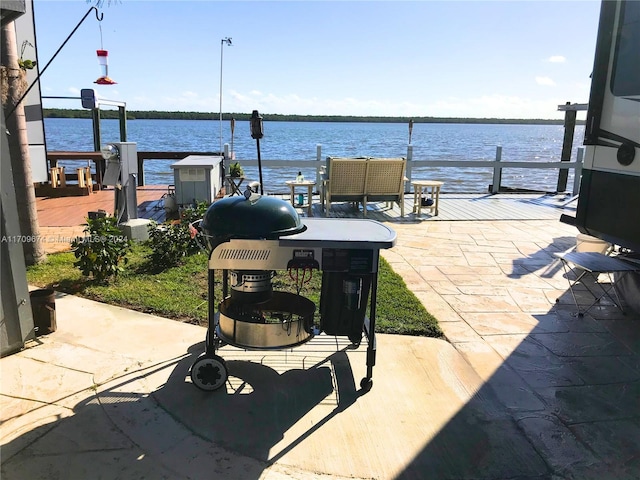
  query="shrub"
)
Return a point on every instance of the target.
[
  {"x": 103, "y": 250},
  {"x": 171, "y": 242}
]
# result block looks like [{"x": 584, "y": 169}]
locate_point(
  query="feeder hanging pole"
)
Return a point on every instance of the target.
[{"x": 99, "y": 16}]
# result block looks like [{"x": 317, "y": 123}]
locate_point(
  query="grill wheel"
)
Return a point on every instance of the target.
[{"x": 209, "y": 372}]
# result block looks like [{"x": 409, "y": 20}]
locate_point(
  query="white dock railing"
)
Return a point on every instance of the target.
[{"x": 497, "y": 165}]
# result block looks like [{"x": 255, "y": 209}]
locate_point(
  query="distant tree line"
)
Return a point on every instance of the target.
[{"x": 276, "y": 117}]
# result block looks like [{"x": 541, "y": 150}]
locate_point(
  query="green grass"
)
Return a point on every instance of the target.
[{"x": 180, "y": 293}]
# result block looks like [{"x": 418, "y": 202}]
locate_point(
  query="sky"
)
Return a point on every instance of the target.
[{"x": 480, "y": 59}]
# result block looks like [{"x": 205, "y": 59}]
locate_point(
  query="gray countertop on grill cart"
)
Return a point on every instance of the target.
[{"x": 342, "y": 233}]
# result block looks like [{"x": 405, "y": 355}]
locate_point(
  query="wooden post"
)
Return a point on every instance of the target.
[
  {"x": 497, "y": 171},
  {"x": 569, "y": 129}
]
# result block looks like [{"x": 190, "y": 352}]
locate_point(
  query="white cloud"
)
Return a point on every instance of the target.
[
  {"x": 556, "y": 59},
  {"x": 545, "y": 81},
  {"x": 486, "y": 106},
  {"x": 481, "y": 106},
  {"x": 494, "y": 106}
]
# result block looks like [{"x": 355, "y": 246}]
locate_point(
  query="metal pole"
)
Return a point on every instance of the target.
[
  {"x": 259, "y": 166},
  {"x": 221, "y": 56},
  {"x": 226, "y": 40},
  {"x": 99, "y": 16}
]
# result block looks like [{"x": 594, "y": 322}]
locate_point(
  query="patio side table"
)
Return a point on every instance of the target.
[
  {"x": 234, "y": 183},
  {"x": 432, "y": 189},
  {"x": 307, "y": 183}
]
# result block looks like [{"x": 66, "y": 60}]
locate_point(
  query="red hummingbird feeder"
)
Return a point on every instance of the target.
[{"x": 103, "y": 60}]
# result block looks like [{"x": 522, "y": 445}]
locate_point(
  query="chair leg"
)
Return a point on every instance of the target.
[
  {"x": 55, "y": 182},
  {"x": 80, "y": 173},
  {"x": 364, "y": 207},
  {"x": 88, "y": 179}
]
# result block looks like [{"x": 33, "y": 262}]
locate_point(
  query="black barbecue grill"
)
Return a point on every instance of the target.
[{"x": 251, "y": 239}]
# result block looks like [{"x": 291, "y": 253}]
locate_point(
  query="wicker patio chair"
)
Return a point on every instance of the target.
[
  {"x": 345, "y": 181},
  {"x": 385, "y": 182}
]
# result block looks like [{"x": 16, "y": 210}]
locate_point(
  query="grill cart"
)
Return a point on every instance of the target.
[{"x": 253, "y": 237}]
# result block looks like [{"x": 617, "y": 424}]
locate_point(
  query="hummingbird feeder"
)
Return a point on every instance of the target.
[{"x": 103, "y": 60}]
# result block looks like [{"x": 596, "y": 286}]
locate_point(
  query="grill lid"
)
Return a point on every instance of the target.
[{"x": 257, "y": 217}]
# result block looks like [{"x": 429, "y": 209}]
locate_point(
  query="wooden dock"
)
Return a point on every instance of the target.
[
  {"x": 460, "y": 207},
  {"x": 62, "y": 219},
  {"x": 72, "y": 211}
]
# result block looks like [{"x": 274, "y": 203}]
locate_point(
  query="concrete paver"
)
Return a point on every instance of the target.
[{"x": 521, "y": 389}]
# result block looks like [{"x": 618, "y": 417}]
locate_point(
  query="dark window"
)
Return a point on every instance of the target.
[{"x": 625, "y": 79}]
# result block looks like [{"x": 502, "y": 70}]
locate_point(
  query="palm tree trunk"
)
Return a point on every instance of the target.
[{"x": 19, "y": 150}]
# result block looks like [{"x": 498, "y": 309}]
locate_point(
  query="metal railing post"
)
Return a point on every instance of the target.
[
  {"x": 577, "y": 173},
  {"x": 497, "y": 171},
  {"x": 408, "y": 169}
]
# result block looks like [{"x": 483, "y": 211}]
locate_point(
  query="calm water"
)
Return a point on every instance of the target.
[{"x": 298, "y": 141}]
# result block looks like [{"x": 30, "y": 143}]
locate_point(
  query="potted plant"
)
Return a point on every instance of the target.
[{"x": 235, "y": 170}]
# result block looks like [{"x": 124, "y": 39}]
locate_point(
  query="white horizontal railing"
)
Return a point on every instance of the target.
[{"x": 496, "y": 165}]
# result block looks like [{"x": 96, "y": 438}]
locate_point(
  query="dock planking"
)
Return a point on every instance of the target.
[
  {"x": 460, "y": 207},
  {"x": 62, "y": 219},
  {"x": 72, "y": 211}
]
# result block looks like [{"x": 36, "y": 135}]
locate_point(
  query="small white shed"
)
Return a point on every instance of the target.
[{"x": 197, "y": 178}]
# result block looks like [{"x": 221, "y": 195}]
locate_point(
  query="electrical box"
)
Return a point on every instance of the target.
[
  {"x": 121, "y": 171},
  {"x": 197, "y": 178},
  {"x": 121, "y": 163}
]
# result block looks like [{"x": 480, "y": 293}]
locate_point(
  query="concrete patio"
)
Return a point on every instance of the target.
[{"x": 521, "y": 387}]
